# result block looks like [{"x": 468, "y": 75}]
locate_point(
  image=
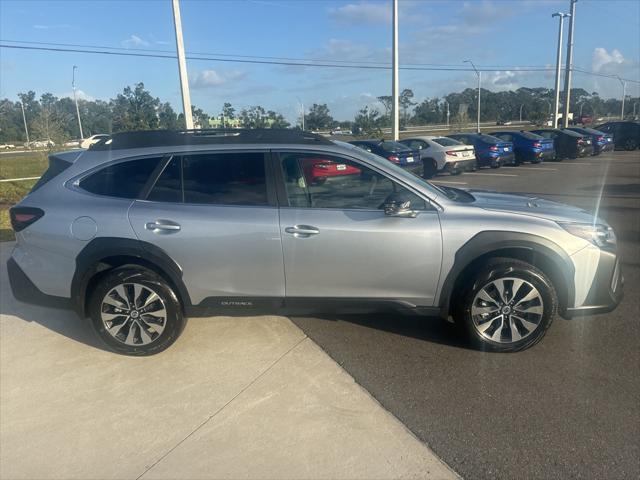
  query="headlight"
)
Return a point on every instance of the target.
[{"x": 600, "y": 235}]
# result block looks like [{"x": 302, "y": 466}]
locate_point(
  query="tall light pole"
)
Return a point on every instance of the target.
[
  {"x": 395, "y": 127},
  {"x": 479, "y": 74},
  {"x": 302, "y": 114},
  {"x": 556, "y": 104},
  {"x": 521, "y": 112},
  {"x": 182, "y": 67},
  {"x": 624, "y": 91},
  {"x": 24, "y": 119},
  {"x": 569, "y": 67},
  {"x": 447, "y": 113},
  {"x": 75, "y": 99}
]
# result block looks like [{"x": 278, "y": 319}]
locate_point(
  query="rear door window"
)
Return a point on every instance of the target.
[
  {"x": 215, "y": 179},
  {"x": 122, "y": 180}
]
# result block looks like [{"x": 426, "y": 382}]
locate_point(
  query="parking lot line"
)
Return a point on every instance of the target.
[
  {"x": 18, "y": 179},
  {"x": 453, "y": 183},
  {"x": 492, "y": 174},
  {"x": 534, "y": 168},
  {"x": 577, "y": 163}
]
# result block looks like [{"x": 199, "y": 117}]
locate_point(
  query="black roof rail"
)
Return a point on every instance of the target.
[{"x": 167, "y": 138}]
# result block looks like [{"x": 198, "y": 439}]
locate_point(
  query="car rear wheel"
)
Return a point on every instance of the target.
[
  {"x": 507, "y": 306},
  {"x": 135, "y": 312},
  {"x": 630, "y": 144}
]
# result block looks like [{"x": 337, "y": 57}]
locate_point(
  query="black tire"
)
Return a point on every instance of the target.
[
  {"x": 429, "y": 168},
  {"x": 495, "y": 270},
  {"x": 630, "y": 144},
  {"x": 125, "y": 277}
]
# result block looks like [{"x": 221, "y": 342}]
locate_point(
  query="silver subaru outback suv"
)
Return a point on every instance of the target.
[{"x": 145, "y": 229}]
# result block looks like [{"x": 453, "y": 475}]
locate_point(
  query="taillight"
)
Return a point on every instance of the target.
[
  {"x": 537, "y": 145},
  {"x": 394, "y": 158},
  {"x": 22, "y": 217},
  {"x": 452, "y": 153},
  {"x": 599, "y": 139},
  {"x": 580, "y": 141},
  {"x": 493, "y": 148}
]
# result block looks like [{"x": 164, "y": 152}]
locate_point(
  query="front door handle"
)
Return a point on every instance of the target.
[
  {"x": 163, "y": 227},
  {"x": 302, "y": 231}
]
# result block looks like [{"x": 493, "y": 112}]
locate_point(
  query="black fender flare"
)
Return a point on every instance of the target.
[
  {"x": 99, "y": 249},
  {"x": 484, "y": 244}
]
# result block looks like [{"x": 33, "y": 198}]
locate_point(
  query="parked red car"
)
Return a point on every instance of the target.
[{"x": 317, "y": 170}]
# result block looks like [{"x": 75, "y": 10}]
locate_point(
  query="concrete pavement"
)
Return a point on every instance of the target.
[{"x": 248, "y": 397}]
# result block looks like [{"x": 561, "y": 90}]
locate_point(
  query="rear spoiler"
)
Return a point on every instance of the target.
[{"x": 58, "y": 163}]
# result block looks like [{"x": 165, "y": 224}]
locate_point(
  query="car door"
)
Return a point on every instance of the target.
[
  {"x": 339, "y": 244},
  {"x": 215, "y": 214}
]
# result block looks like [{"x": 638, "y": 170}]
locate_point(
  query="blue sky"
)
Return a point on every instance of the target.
[{"x": 500, "y": 33}]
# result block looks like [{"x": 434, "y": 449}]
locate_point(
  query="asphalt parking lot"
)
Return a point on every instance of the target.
[{"x": 568, "y": 407}]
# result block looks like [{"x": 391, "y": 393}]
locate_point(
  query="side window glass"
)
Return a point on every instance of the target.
[
  {"x": 225, "y": 179},
  {"x": 168, "y": 187},
  {"x": 122, "y": 180},
  {"x": 318, "y": 181}
]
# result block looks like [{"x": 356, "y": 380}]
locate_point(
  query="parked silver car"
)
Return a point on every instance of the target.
[{"x": 144, "y": 229}]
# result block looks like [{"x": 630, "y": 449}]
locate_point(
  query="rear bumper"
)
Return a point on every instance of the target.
[
  {"x": 459, "y": 165},
  {"x": 24, "y": 289},
  {"x": 606, "y": 292},
  {"x": 585, "y": 151},
  {"x": 609, "y": 147}
]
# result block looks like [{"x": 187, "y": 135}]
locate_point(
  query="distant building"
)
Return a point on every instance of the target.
[{"x": 228, "y": 123}]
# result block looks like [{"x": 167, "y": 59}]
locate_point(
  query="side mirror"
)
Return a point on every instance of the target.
[{"x": 397, "y": 205}]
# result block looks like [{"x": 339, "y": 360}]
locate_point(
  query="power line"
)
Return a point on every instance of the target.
[{"x": 297, "y": 63}]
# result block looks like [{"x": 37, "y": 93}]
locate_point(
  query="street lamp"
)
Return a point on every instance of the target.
[
  {"x": 556, "y": 103},
  {"x": 521, "y": 112},
  {"x": 479, "y": 74},
  {"x": 624, "y": 87},
  {"x": 302, "y": 109},
  {"x": 24, "y": 119},
  {"x": 448, "y": 112},
  {"x": 75, "y": 99}
]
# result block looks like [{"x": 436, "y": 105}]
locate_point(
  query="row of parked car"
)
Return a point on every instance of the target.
[{"x": 459, "y": 152}]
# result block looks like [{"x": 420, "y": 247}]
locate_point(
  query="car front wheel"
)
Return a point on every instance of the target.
[
  {"x": 507, "y": 306},
  {"x": 135, "y": 312}
]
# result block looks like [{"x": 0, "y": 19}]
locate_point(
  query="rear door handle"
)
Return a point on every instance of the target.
[
  {"x": 163, "y": 227},
  {"x": 302, "y": 231}
]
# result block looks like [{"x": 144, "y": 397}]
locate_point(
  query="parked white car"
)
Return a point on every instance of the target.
[
  {"x": 442, "y": 154},
  {"x": 7, "y": 146},
  {"x": 40, "y": 144},
  {"x": 87, "y": 142}
]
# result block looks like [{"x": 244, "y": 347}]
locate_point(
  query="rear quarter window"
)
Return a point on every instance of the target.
[{"x": 122, "y": 180}]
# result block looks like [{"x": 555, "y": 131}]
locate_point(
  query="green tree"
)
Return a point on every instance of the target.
[
  {"x": 318, "y": 117},
  {"x": 200, "y": 118},
  {"x": 276, "y": 120},
  {"x": 228, "y": 112},
  {"x": 367, "y": 122},
  {"x": 167, "y": 117},
  {"x": 135, "y": 109},
  {"x": 254, "y": 117}
]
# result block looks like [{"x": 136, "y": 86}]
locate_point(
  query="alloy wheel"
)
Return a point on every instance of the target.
[
  {"x": 507, "y": 310},
  {"x": 133, "y": 314}
]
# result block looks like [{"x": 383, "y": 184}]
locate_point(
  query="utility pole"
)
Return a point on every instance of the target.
[
  {"x": 75, "y": 99},
  {"x": 395, "y": 128},
  {"x": 302, "y": 114},
  {"x": 624, "y": 91},
  {"x": 24, "y": 119},
  {"x": 182, "y": 67},
  {"x": 556, "y": 104},
  {"x": 569, "y": 67},
  {"x": 521, "y": 112},
  {"x": 479, "y": 74}
]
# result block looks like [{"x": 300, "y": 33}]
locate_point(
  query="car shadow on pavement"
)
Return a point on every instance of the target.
[
  {"x": 430, "y": 329},
  {"x": 62, "y": 322}
]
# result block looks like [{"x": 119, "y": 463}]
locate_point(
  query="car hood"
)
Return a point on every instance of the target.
[{"x": 531, "y": 205}]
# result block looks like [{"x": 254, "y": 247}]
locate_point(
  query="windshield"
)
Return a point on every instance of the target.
[
  {"x": 530, "y": 136},
  {"x": 446, "y": 142},
  {"x": 489, "y": 139}
]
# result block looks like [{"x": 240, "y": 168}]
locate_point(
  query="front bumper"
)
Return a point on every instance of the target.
[
  {"x": 26, "y": 291},
  {"x": 606, "y": 291}
]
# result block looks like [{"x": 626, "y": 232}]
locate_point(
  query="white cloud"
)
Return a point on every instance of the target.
[
  {"x": 212, "y": 78},
  {"x": 134, "y": 41},
  {"x": 361, "y": 13},
  {"x": 605, "y": 61},
  {"x": 81, "y": 94}
]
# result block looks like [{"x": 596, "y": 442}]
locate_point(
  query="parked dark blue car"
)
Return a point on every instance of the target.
[
  {"x": 527, "y": 146},
  {"x": 490, "y": 151},
  {"x": 395, "y": 152},
  {"x": 602, "y": 142}
]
